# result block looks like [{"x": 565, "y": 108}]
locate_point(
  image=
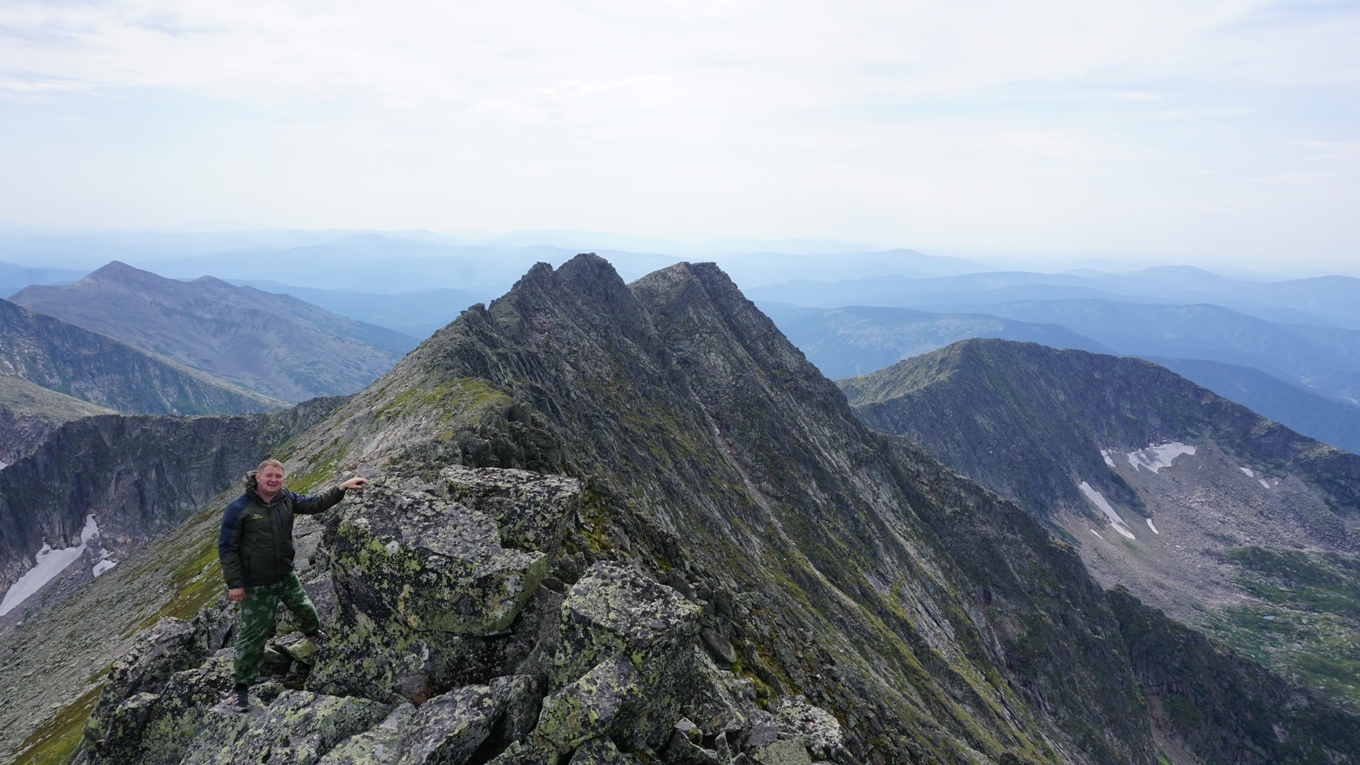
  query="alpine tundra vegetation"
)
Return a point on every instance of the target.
[{"x": 630, "y": 523}]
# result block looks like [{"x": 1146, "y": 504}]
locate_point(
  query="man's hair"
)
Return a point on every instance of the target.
[{"x": 269, "y": 463}]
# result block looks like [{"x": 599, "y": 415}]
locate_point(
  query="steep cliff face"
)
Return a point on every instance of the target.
[
  {"x": 137, "y": 476},
  {"x": 1224, "y": 519},
  {"x": 272, "y": 344},
  {"x": 29, "y": 412},
  {"x": 94, "y": 368},
  {"x": 620, "y": 523}
]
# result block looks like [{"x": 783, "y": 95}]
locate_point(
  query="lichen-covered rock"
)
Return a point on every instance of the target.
[
  {"x": 616, "y": 610},
  {"x": 600, "y": 751},
  {"x": 431, "y": 564},
  {"x": 380, "y": 745},
  {"x": 523, "y": 701},
  {"x": 531, "y": 510},
  {"x": 426, "y": 592},
  {"x": 155, "y": 728},
  {"x": 297, "y": 729},
  {"x": 785, "y": 752},
  {"x": 813, "y": 727},
  {"x": 169, "y": 647},
  {"x": 716, "y": 700},
  {"x": 449, "y": 728},
  {"x": 597, "y": 704}
]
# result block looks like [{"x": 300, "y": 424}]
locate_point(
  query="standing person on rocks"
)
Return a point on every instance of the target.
[{"x": 256, "y": 550}]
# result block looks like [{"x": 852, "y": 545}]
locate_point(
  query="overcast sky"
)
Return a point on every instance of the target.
[{"x": 1208, "y": 132}]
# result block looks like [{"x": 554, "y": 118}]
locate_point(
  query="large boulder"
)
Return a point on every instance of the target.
[
  {"x": 430, "y": 576},
  {"x": 299, "y": 728},
  {"x": 616, "y": 610},
  {"x": 430, "y": 564}
]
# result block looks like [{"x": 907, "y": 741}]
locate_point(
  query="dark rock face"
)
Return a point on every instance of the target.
[
  {"x": 29, "y": 412},
  {"x": 1007, "y": 414},
  {"x": 139, "y": 476},
  {"x": 89, "y": 366},
  {"x": 1221, "y": 707},
  {"x": 272, "y": 344}
]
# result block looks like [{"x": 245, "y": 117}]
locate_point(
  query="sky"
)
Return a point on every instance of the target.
[{"x": 1206, "y": 132}]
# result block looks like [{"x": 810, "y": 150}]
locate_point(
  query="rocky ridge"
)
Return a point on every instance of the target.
[
  {"x": 1222, "y": 518},
  {"x": 630, "y": 523},
  {"x": 29, "y": 412},
  {"x": 273, "y": 344}
]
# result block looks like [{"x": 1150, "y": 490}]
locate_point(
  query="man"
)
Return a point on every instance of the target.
[{"x": 256, "y": 550}]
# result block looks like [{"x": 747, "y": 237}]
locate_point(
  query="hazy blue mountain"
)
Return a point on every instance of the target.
[
  {"x": 1300, "y": 409},
  {"x": 14, "y": 277},
  {"x": 1198, "y": 505},
  {"x": 856, "y": 340},
  {"x": 764, "y": 268},
  {"x": 274, "y": 344},
  {"x": 92, "y": 367},
  {"x": 417, "y": 314},
  {"x": 1332, "y": 301},
  {"x": 1320, "y": 359}
]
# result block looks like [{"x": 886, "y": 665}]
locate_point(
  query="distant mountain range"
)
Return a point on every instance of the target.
[
  {"x": 276, "y": 345},
  {"x": 92, "y": 367},
  {"x": 1331, "y": 301},
  {"x": 1194, "y": 503}
]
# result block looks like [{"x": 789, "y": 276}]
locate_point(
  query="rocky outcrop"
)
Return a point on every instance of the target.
[
  {"x": 273, "y": 344},
  {"x": 611, "y": 667},
  {"x": 89, "y": 366}
]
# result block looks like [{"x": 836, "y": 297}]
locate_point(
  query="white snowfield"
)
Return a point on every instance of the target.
[
  {"x": 1154, "y": 528},
  {"x": 1247, "y": 471},
  {"x": 50, "y": 563},
  {"x": 1154, "y": 458},
  {"x": 1108, "y": 459},
  {"x": 1099, "y": 501},
  {"x": 1264, "y": 482}
]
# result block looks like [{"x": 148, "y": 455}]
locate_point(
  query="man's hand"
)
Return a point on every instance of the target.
[
  {"x": 354, "y": 483},
  {"x": 236, "y": 595}
]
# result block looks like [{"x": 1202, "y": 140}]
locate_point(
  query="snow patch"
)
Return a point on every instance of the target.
[
  {"x": 1099, "y": 501},
  {"x": 1108, "y": 459},
  {"x": 1264, "y": 482},
  {"x": 1154, "y": 458},
  {"x": 1154, "y": 528},
  {"x": 1097, "y": 533},
  {"x": 49, "y": 564},
  {"x": 1248, "y": 472},
  {"x": 103, "y": 565}
]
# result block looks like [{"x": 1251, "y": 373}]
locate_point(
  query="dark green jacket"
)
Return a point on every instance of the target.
[{"x": 256, "y": 542}]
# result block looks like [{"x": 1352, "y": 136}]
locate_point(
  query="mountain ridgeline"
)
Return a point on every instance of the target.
[
  {"x": 626, "y": 523},
  {"x": 1225, "y": 519},
  {"x": 272, "y": 344},
  {"x": 77, "y": 362}
]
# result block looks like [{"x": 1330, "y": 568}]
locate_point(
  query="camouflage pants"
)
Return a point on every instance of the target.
[{"x": 255, "y": 623}]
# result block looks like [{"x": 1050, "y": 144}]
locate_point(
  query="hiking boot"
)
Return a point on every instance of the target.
[
  {"x": 241, "y": 699},
  {"x": 318, "y": 638}
]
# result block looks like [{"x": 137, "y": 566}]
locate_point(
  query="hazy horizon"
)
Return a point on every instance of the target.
[{"x": 1208, "y": 133}]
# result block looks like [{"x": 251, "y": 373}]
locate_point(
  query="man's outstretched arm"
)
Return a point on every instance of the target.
[{"x": 327, "y": 499}]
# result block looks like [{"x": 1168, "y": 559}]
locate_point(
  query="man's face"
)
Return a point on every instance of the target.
[{"x": 269, "y": 481}]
